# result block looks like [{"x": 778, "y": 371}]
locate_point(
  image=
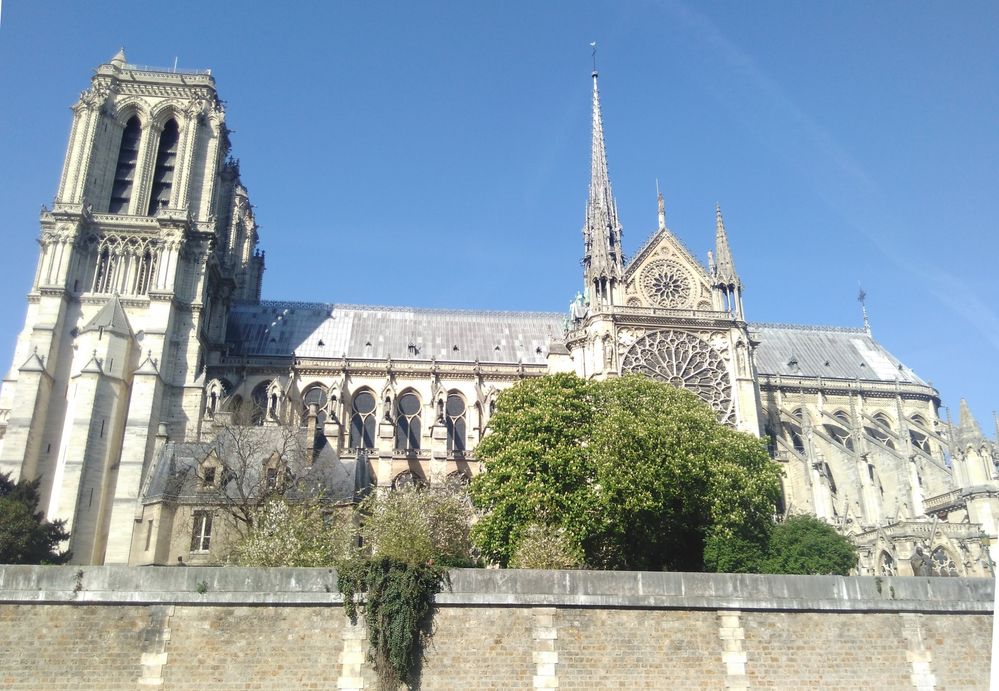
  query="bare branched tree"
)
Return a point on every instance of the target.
[{"x": 251, "y": 463}]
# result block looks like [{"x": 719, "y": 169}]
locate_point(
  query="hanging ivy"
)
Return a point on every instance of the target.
[{"x": 398, "y": 597}]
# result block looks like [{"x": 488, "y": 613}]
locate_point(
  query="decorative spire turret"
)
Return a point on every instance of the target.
[
  {"x": 602, "y": 259},
  {"x": 968, "y": 431},
  {"x": 724, "y": 265},
  {"x": 727, "y": 286}
]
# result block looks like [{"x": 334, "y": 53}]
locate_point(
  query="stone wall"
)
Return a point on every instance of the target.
[{"x": 229, "y": 628}]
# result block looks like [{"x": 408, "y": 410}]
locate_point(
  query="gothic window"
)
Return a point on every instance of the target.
[
  {"x": 792, "y": 433},
  {"x": 840, "y": 432},
  {"x": 943, "y": 565},
  {"x": 919, "y": 439},
  {"x": 407, "y": 424},
  {"x": 258, "y": 400},
  {"x": 881, "y": 432},
  {"x": 317, "y": 395},
  {"x": 201, "y": 536},
  {"x": 166, "y": 160},
  {"x": 102, "y": 276},
  {"x": 362, "y": 421},
  {"x": 407, "y": 478},
  {"x": 887, "y": 566},
  {"x": 144, "y": 273},
  {"x": 666, "y": 284},
  {"x": 124, "y": 174},
  {"x": 686, "y": 362},
  {"x": 456, "y": 423}
]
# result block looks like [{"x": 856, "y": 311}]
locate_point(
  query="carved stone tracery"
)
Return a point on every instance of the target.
[
  {"x": 685, "y": 361},
  {"x": 667, "y": 284}
]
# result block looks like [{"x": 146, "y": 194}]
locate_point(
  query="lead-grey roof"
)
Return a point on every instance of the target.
[
  {"x": 319, "y": 330},
  {"x": 826, "y": 351},
  {"x": 174, "y": 473}
]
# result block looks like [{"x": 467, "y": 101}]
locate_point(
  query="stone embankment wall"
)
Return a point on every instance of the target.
[{"x": 230, "y": 628}]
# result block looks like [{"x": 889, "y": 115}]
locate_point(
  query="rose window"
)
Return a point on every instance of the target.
[
  {"x": 666, "y": 284},
  {"x": 687, "y": 362}
]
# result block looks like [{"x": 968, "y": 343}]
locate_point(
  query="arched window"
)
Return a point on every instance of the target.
[
  {"x": 943, "y": 565},
  {"x": 258, "y": 401},
  {"x": 144, "y": 273},
  {"x": 887, "y": 565},
  {"x": 792, "y": 433},
  {"x": 316, "y": 395},
  {"x": 124, "y": 173},
  {"x": 102, "y": 276},
  {"x": 362, "y": 421},
  {"x": 456, "y": 423},
  {"x": 166, "y": 160},
  {"x": 919, "y": 439},
  {"x": 407, "y": 478},
  {"x": 407, "y": 424},
  {"x": 840, "y": 432},
  {"x": 882, "y": 432}
]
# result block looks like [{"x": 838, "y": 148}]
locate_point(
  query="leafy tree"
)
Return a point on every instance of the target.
[
  {"x": 286, "y": 533},
  {"x": 408, "y": 537},
  {"x": 25, "y": 536},
  {"x": 806, "y": 545},
  {"x": 545, "y": 547},
  {"x": 636, "y": 472}
]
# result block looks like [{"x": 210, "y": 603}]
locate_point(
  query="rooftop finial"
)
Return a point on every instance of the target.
[
  {"x": 862, "y": 299},
  {"x": 593, "y": 45},
  {"x": 662, "y": 206}
]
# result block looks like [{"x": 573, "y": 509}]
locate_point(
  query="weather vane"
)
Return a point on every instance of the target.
[{"x": 593, "y": 45}]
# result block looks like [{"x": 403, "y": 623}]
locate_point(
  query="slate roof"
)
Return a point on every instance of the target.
[
  {"x": 323, "y": 330},
  {"x": 111, "y": 317},
  {"x": 174, "y": 474},
  {"x": 402, "y": 333},
  {"x": 826, "y": 351}
]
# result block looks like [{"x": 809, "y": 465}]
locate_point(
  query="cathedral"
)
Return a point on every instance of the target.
[{"x": 148, "y": 359}]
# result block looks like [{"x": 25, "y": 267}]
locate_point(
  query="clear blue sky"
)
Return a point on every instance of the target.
[{"x": 437, "y": 154}]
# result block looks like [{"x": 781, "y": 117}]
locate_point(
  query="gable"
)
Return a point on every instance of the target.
[{"x": 665, "y": 274}]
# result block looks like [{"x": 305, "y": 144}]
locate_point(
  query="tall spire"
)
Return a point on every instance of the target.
[
  {"x": 968, "y": 430},
  {"x": 602, "y": 257},
  {"x": 724, "y": 265}
]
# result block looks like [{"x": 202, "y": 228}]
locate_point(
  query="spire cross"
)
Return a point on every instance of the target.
[{"x": 862, "y": 299}]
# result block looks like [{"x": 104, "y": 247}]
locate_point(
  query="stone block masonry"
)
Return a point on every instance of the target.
[{"x": 230, "y": 628}]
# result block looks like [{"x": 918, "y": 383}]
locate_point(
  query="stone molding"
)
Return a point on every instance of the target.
[{"x": 510, "y": 588}]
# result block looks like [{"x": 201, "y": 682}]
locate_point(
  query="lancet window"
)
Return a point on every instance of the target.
[
  {"x": 314, "y": 395},
  {"x": 455, "y": 416},
  {"x": 259, "y": 403},
  {"x": 125, "y": 265},
  {"x": 166, "y": 161},
  {"x": 124, "y": 174},
  {"x": 407, "y": 424},
  {"x": 362, "y": 421}
]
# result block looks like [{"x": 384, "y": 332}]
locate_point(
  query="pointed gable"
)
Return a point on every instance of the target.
[
  {"x": 664, "y": 273},
  {"x": 111, "y": 318}
]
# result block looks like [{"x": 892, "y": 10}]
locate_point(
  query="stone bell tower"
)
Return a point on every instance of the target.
[{"x": 149, "y": 239}]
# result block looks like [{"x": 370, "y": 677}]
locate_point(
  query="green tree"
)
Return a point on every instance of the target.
[
  {"x": 636, "y": 472},
  {"x": 25, "y": 536},
  {"x": 806, "y": 545},
  {"x": 285, "y": 533}
]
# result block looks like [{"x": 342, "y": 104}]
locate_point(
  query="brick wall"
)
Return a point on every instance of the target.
[{"x": 196, "y": 628}]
